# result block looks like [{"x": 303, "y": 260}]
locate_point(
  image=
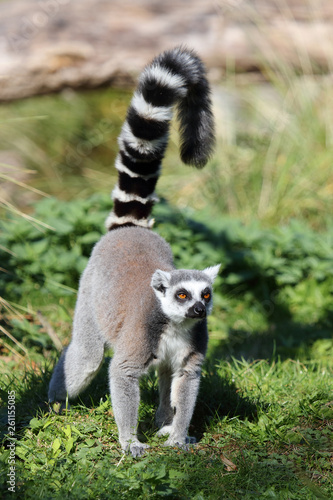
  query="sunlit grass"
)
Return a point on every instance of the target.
[{"x": 264, "y": 428}]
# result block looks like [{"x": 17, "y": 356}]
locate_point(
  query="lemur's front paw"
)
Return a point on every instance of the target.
[
  {"x": 136, "y": 448},
  {"x": 184, "y": 444},
  {"x": 174, "y": 440}
]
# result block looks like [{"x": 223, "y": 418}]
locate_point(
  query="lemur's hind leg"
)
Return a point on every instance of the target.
[
  {"x": 125, "y": 397},
  {"x": 78, "y": 365}
]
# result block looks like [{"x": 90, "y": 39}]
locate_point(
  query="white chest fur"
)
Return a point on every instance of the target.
[{"x": 174, "y": 346}]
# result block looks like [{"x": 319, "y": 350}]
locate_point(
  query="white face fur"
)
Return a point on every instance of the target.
[{"x": 185, "y": 294}]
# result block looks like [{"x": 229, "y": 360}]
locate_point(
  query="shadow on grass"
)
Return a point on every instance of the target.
[
  {"x": 284, "y": 338},
  {"x": 218, "y": 396},
  {"x": 31, "y": 397}
]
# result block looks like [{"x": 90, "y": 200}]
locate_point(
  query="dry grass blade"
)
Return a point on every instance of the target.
[
  {"x": 19, "y": 169},
  {"x": 10, "y": 308},
  {"x": 50, "y": 331},
  {"x": 13, "y": 339},
  {"x": 22, "y": 184},
  {"x": 8, "y": 206},
  {"x": 14, "y": 308},
  {"x": 12, "y": 350},
  {"x": 8, "y": 251},
  {"x": 228, "y": 463}
]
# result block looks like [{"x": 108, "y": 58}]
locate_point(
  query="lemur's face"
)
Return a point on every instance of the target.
[{"x": 185, "y": 294}]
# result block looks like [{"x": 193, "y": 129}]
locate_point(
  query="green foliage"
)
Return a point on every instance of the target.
[
  {"x": 29, "y": 333},
  {"x": 264, "y": 411},
  {"x": 39, "y": 260},
  {"x": 276, "y": 276}
]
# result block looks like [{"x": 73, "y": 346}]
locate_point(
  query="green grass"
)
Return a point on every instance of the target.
[
  {"x": 265, "y": 429},
  {"x": 264, "y": 414}
]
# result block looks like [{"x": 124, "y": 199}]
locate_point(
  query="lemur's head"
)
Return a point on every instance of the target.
[{"x": 184, "y": 293}]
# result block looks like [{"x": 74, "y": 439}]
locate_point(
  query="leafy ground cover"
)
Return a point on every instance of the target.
[{"x": 264, "y": 414}]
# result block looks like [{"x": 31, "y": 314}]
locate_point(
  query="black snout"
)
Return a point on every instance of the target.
[{"x": 197, "y": 311}]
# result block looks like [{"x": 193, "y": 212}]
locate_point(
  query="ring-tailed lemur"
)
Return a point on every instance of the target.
[{"x": 130, "y": 296}]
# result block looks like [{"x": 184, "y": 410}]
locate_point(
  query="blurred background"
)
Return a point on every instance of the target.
[{"x": 269, "y": 62}]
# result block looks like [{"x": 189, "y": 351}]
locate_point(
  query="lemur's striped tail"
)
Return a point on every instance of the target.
[{"x": 174, "y": 77}]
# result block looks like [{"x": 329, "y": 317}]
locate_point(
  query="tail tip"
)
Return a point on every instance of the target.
[{"x": 197, "y": 151}]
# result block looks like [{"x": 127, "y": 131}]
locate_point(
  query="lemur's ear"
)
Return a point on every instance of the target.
[
  {"x": 160, "y": 280},
  {"x": 212, "y": 272}
]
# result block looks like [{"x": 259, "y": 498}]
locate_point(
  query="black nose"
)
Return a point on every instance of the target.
[{"x": 198, "y": 310}]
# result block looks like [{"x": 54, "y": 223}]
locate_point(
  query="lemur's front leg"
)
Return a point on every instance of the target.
[{"x": 184, "y": 391}]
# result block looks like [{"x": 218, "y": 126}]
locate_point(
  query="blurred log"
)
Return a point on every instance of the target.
[{"x": 48, "y": 45}]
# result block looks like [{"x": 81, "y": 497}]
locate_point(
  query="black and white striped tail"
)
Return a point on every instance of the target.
[{"x": 174, "y": 77}]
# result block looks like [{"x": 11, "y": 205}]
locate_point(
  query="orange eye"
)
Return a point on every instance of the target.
[
  {"x": 206, "y": 296},
  {"x": 182, "y": 296}
]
